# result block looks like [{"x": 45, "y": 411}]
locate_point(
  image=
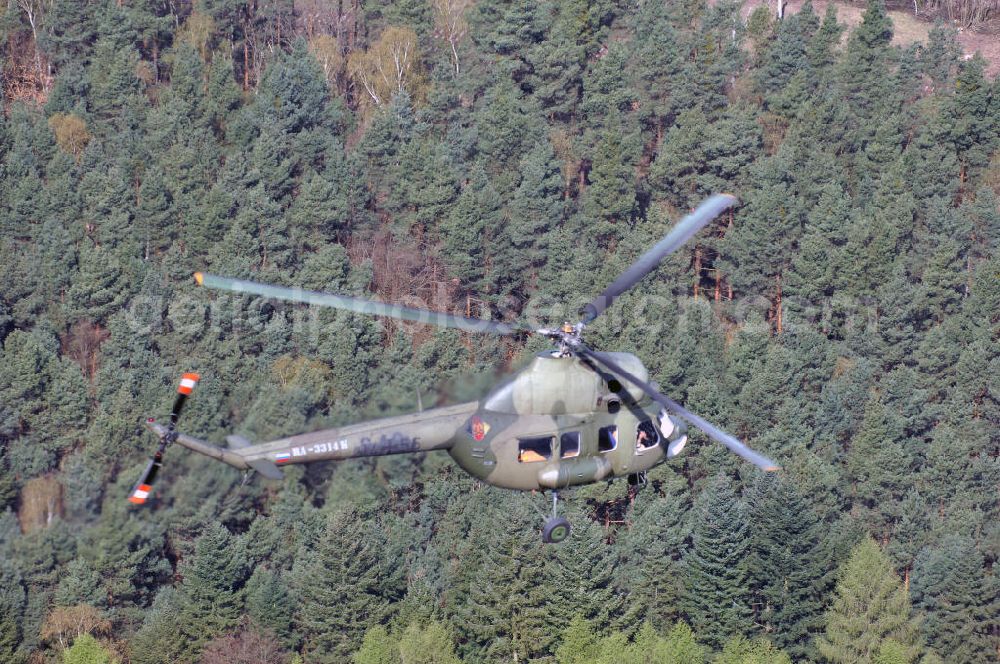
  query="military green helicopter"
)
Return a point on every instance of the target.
[{"x": 573, "y": 416}]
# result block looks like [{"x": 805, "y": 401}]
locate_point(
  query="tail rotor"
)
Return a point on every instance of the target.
[{"x": 141, "y": 490}]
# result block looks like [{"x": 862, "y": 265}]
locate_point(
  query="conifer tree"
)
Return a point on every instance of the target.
[
  {"x": 12, "y": 603},
  {"x": 210, "y": 598},
  {"x": 788, "y": 564},
  {"x": 431, "y": 643},
  {"x": 578, "y": 643},
  {"x": 739, "y": 650},
  {"x": 377, "y": 647},
  {"x": 972, "y": 116},
  {"x": 343, "y": 586},
  {"x": 866, "y": 60},
  {"x": 716, "y": 575},
  {"x": 877, "y": 463},
  {"x": 959, "y": 601},
  {"x": 649, "y": 573},
  {"x": 268, "y": 602},
  {"x": 871, "y": 608},
  {"x": 504, "y": 612}
]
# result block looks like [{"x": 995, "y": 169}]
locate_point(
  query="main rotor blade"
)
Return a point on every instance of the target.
[
  {"x": 678, "y": 235},
  {"x": 710, "y": 429},
  {"x": 357, "y": 305}
]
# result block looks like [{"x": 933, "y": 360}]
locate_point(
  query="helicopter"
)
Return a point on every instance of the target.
[{"x": 574, "y": 415}]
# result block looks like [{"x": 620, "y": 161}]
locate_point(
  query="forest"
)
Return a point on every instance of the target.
[{"x": 500, "y": 159}]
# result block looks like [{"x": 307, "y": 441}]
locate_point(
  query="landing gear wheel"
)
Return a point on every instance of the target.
[{"x": 555, "y": 530}]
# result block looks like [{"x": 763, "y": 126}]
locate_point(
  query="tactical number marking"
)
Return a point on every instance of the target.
[{"x": 321, "y": 448}]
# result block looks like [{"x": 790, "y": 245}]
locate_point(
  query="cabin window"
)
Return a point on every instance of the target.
[
  {"x": 646, "y": 436},
  {"x": 534, "y": 449},
  {"x": 607, "y": 438},
  {"x": 569, "y": 444}
]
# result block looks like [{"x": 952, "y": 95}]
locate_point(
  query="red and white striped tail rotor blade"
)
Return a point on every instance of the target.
[
  {"x": 142, "y": 488},
  {"x": 188, "y": 382},
  {"x": 186, "y": 387}
]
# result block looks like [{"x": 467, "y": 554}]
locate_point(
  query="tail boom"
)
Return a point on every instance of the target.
[
  {"x": 421, "y": 432},
  {"x": 230, "y": 457}
]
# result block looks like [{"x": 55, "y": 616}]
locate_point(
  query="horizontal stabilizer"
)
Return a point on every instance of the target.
[
  {"x": 262, "y": 466},
  {"x": 266, "y": 468}
]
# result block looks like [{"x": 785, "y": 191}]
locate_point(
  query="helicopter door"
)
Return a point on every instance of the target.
[{"x": 530, "y": 450}]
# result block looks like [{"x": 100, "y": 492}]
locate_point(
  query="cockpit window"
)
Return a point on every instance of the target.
[
  {"x": 530, "y": 450},
  {"x": 607, "y": 438},
  {"x": 569, "y": 444},
  {"x": 646, "y": 436}
]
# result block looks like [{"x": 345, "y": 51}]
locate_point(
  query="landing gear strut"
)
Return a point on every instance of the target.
[{"x": 556, "y": 528}]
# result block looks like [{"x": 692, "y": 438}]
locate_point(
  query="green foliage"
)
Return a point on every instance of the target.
[
  {"x": 760, "y": 651},
  {"x": 788, "y": 563},
  {"x": 871, "y": 613},
  {"x": 210, "y": 596},
  {"x": 12, "y": 603},
  {"x": 377, "y": 647},
  {"x": 578, "y": 642},
  {"x": 716, "y": 595},
  {"x": 174, "y": 137},
  {"x": 343, "y": 586},
  {"x": 958, "y": 599},
  {"x": 427, "y": 644},
  {"x": 87, "y": 650}
]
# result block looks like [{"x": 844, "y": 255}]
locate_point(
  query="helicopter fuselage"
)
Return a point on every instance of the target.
[{"x": 556, "y": 423}]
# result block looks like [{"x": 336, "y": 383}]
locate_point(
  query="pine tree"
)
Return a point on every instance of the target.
[
  {"x": 377, "y": 647},
  {"x": 268, "y": 602},
  {"x": 877, "y": 463},
  {"x": 739, "y": 650},
  {"x": 12, "y": 604},
  {"x": 681, "y": 646},
  {"x": 958, "y": 599},
  {"x": 941, "y": 57},
  {"x": 468, "y": 231},
  {"x": 578, "y": 643},
  {"x": 293, "y": 93},
  {"x": 648, "y": 570},
  {"x": 557, "y": 64},
  {"x": 611, "y": 197},
  {"x": 787, "y": 563},
  {"x": 582, "y": 577},
  {"x": 971, "y": 116},
  {"x": 867, "y": 58},
  {"x": 343, "y": 586},
  {"x": 503, "y": 615},
  {"x": 871, "y": 608},
  {"x": 656, "y": 65},
  {"x": 716, "y": 575},
  {"x": 431, "y": 643},
  {"x": 210, "y": 598}
]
